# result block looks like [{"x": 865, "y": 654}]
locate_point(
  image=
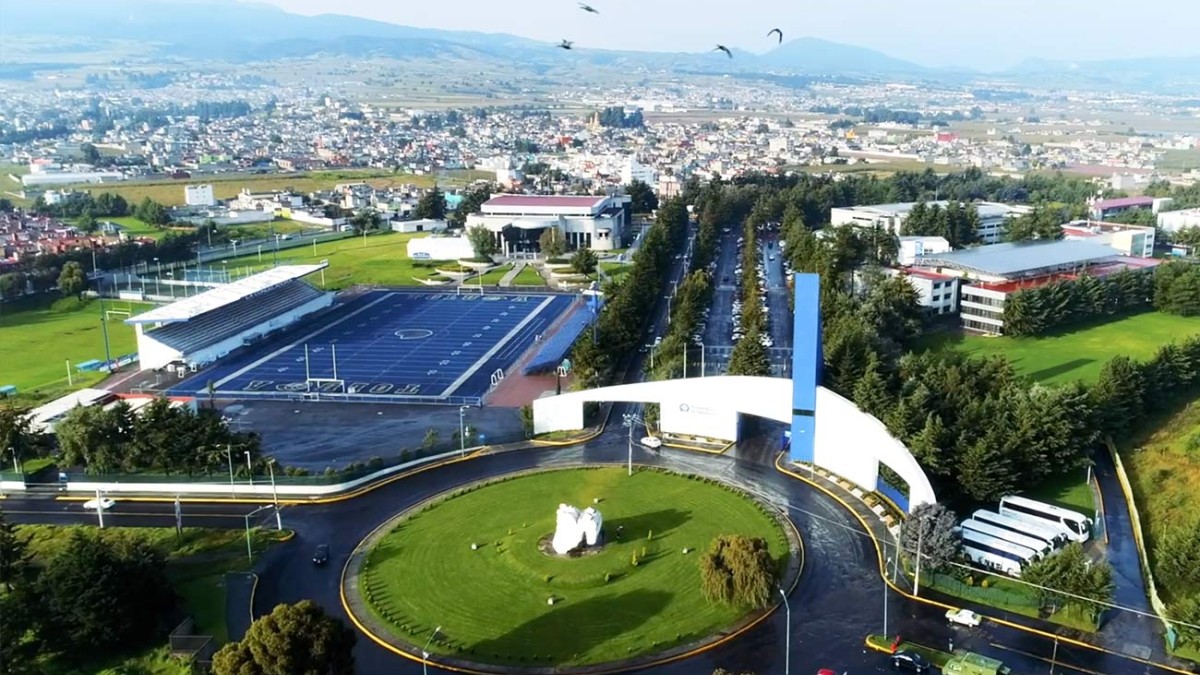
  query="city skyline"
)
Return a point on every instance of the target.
[{"x": 934, "y": 33}]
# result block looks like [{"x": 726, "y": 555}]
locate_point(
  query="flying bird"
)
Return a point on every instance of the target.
[
  {"x": 566, "y": 44},
  {"x": 723, "y": 48},
  {"x": 777, "y": 32},
  {"x": 588, "y": 8}
]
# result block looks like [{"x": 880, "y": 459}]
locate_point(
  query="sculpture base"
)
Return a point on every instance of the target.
[{"x": 545, "y": 545}]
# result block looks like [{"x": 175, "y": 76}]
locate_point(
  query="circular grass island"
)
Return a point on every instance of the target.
[{"x": 477, "y": 565}]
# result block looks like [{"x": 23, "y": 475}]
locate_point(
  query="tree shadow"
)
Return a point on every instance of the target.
[
  {"x": 638, "y": 526},
  {"x": 569, "y": 630},
  {"x": 1060, "y": 369}
]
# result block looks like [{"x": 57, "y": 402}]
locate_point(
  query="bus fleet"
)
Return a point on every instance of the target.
[{"x": 1022, "y": 531}]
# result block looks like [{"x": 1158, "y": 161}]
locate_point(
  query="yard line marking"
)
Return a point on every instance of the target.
[
  {"x": 496, "y": 347},
  {"x": 236, "y": 374}
]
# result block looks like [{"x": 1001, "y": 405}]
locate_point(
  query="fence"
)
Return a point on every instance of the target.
[
  {"x": 198, "y": 648},
  {"x": 996, "y": 597}
]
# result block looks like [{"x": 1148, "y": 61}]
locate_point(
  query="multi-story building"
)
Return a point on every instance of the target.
[
  {"x": 1131, "y": 240},
  {"x": 199, "y": 195},
  {"x": 989, "y": 275},
  {"x": 992, "y": 217},
  {"x": 595, "y": 222},
  {"x": 1173, "y": 221},
  {"x": 1107, "y": 208},
  {"x": 936, "y": 293},
  {"x": 911, "y": 247}
]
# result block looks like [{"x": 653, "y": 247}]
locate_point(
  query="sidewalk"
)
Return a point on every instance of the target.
[{"x": 508, "y": 277}]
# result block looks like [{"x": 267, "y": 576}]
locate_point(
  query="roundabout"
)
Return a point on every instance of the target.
[{"x": 469, "y": 575}]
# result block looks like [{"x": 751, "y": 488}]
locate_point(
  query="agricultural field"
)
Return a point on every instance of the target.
[
  {"x": 170, "y": 191},
  {"x": 1077, "y": 354},
  {"x": 48, "y": 336}
]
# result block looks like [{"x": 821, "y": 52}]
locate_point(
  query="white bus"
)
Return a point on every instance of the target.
[
  {"x": 998, "y": 548},
  {"x": 1078, "y": 525},
  {"x": 1038, "y": 546},
  {"x": 991, "y": 561},
  {"x": 1051, "y": 533}
]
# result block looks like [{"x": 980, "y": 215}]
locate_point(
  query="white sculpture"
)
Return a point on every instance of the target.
[{"x": 574, "y": 527}]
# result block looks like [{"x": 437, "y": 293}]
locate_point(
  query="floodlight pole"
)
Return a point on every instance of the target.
[
  {"x": 274, "y": 494},
  {"x": 104, "y": 329},
  {"x": 249, "y": 467},
  {"x": 462, "y": 434},
  {"x": 229, "y": 456}
]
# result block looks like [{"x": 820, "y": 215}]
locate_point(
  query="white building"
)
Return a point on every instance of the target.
[
  {"x": 911, "y": 247},
  {"x": 992, "y": 217},
  {"x": 1130, "y": 240},
  {"x": 68, "y": 177},
  {"x": 595, "y": 222},
  {"x": 1173, "y": 221},
  {"x": 199, "y": 195},
  {"x": 937, "y": 293},
  {"x": 440, "y": 247},
  {"x": 631, "y": 170},
  {"x": 422, "y": 225}
]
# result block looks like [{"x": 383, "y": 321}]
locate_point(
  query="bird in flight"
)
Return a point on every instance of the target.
[
  {"x": 777, "y": 32},
  {"x": 723, "y": 48},
  {"x": 588, "y": 8},
  {"x": 566, "y": 44}
]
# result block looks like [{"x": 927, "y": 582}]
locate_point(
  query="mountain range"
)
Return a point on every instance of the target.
[{"x": 239, "y": 32}]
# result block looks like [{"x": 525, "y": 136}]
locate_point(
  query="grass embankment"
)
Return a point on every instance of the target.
[
  {"x": 1009, "y": 595},
  {"x": 39, "y": 339},
  {"x": 169, "y": 192},
  {"x": 492, "y": 277},
  {"x": 1078, "y": 354},
  {"x": 492, "y": 603},
  {"x": 197, "y": 561},
  {"x": 615, "y": 271},
  {"x": 381, "y": 259},
  {"x": 1070, "y": 491}
]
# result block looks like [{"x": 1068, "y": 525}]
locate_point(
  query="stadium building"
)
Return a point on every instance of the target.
[
  {"x": 992, "y": 217},
  {"x": 517, "y": 221},
  {"x": 990, "y": 274},
  {"x": 196, "y": 331}
]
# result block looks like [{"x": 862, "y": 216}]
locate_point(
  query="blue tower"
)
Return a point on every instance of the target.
[{"x": 807, "y": 363}]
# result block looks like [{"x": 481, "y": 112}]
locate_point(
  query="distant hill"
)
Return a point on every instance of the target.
[{"x": 813, "y": 55}]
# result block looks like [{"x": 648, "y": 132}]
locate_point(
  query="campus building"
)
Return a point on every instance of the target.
[
  {"x": 517, "y": 221},
  {"x": 1131, "y": 240},
  {"x": 992, "y": 217},
  {"x": 199, "y": 195},
  {"x": 988, "y": 275}
]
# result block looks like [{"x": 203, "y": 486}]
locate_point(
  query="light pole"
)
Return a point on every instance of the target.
[
  {"x": 462, "y": 433},
  {"x": 229, "y": 456},
  {"x": 629, "y": 425},
  {"x": 249, "y": 468},
  {"x": 787, "y": 635},
  {"x": 157, "y": 274},
  {"x": 425, "y": 651},
  {"x": 249, "y": 548},
  {"x": 99, "y": 508},
  {"x": 274, "y": 494},
  {"x": 885, "y": 597}
]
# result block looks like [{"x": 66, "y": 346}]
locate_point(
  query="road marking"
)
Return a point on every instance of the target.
[{"x": 1043, "y": 659}]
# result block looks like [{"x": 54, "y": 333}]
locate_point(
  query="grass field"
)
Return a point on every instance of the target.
[
  {"x": 48, "y": 336},
  {"x": 492, "y": 603},
  {"x": 493, "y": 277},
  {"x": 529, "y": 276},
  {"x": 1010, "y": 595},
  {"x": 1163, "y": 465},
  {"x": 1070, "y": 491},
  {"x": 197, "y": 561},
  {"x": 1081, "y": 353},
  {"x": 170, "y": 192}
]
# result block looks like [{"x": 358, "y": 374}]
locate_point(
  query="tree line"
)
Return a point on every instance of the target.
[
  {"x": 1065, "y": 302},
  {"x": 956, "y": 223},
  {"x": 621, "y": 324}
]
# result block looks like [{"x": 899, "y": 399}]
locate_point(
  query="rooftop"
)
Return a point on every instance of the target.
[
  {"x": 578, "y": 202},
  {"x": 1020, "y": 258},
  {"x": 190, "y": 308},
  {"x": 1124, "y": 201}
]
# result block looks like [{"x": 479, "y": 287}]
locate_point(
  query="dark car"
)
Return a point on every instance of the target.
[
  {"x": 321, "y": 556},
  {"x": 913, "y": 661}
]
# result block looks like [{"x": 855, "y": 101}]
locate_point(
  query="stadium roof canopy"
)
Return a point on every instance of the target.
[
  {"x": 1021, "y": 258},
  {"x": 190, "y": 308}
]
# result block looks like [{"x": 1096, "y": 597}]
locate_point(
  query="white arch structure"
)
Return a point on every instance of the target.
[{"x": 849, "y": 442}]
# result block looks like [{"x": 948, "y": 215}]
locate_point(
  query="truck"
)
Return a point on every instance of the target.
[{"x": 970, "y": 663}]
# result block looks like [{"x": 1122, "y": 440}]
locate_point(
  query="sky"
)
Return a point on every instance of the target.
[{"x": 982, "y": 34}]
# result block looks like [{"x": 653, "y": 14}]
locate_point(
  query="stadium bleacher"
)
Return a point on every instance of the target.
[
  {"x": 552, "y": 351},
  {"x": 219, "y": 324}
]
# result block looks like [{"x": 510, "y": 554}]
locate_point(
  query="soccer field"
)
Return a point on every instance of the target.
[
  {"x": 1079, "y": 354},
  {"x": 398, "y": 343},
  {"x": 37, "y": 343}
]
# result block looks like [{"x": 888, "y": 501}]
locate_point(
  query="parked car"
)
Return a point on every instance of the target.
[
  {"x": 104, "y": 504},
  {"x": 963, "y": 617},
  {"x": 908, "y": 660},
  {"x": 321, "y": 556}
]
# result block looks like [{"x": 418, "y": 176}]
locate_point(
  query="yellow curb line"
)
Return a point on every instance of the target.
[
  {"x": 625, "y": 669},
  {"x": 559, "y": 444},
  {"x": 681, "y": 446},
  {"x": 935, "y": 603}
]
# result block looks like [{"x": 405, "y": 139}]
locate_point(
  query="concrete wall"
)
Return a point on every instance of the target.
[{"x": 697, "y": 419}]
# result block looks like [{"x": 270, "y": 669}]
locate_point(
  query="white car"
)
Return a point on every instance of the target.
[
  {"x": 104, "y": 504},
  {"x": 964, "y": 617},
  {"x": 652, "y": 442}
]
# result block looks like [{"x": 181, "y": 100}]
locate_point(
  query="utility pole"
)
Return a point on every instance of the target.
[
  {"x": 787, "y": 635},
  {"x": 229, "y": 456},
  {"x": 917, "y": 579},
  {"x": 249, "y": 467},
  {"x": 1054, "y": 656},
  {"x": 274, "y": 494}
]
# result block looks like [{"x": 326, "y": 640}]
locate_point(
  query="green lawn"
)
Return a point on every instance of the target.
[
  {"x": 1009, "y": 595},
  {"x": 139, "y": 228},
  {"x": 382, "y": 259},
  {"x": 528, "y": 276},
  {"x": 197, "y": 561},
  {"x": 493, "y": 277},
  {"x": 1070, "y": 491},
  {"x": 46, "y": 337},
  {"x": 1163, "y": 464},
  {"x": 1081, "y": 353},
  {"x": 491, "y": 603},
  {"x": 615, "y": 271}
]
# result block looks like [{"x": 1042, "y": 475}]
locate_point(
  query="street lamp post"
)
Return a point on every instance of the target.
[
  {"x": 249, "y": 548},
  {"x": 787, "y": 635},
  {"x": 885, "y": 597},
  {"x": 229, "y": 456},
  {"x": 274, "y": 494},
  {"x": 629, "y": 420},
  {"x": 462, "y": 433},
  {"x": 425, "y": 651},
  {"x": 249, "y": 468}
]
